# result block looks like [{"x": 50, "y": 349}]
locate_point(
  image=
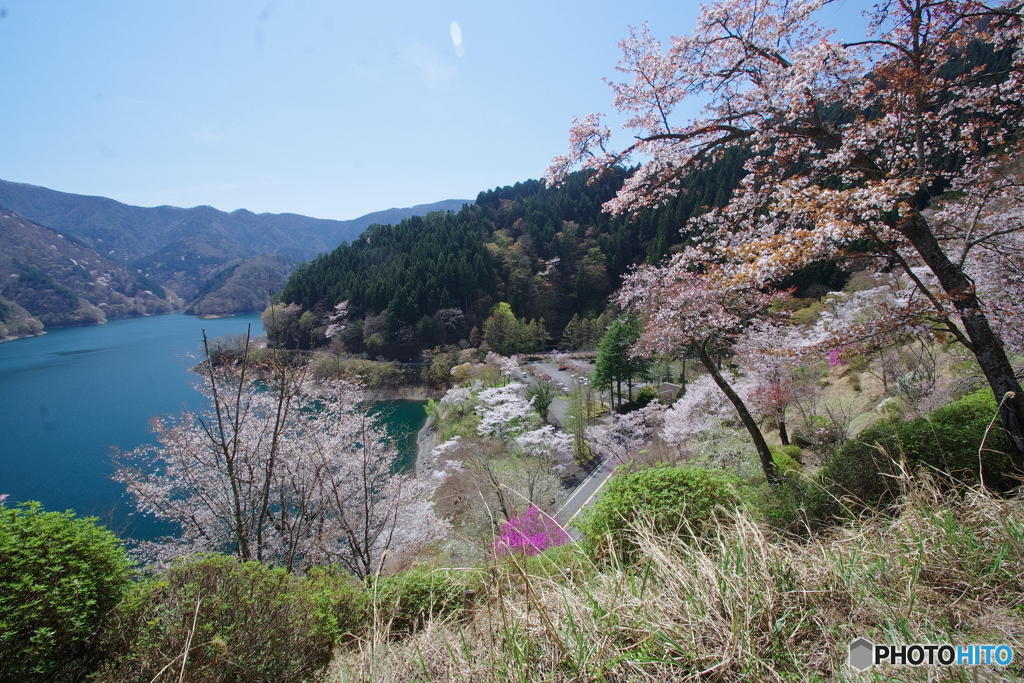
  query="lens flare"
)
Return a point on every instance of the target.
[{"x": 457, "y": 39}]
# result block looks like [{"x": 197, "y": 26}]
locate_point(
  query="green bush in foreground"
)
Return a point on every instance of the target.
[
  {"x": 784, "y": 460},
  {"x": 671, "y": 499},
  {"x": 407, "y": 600},
  {"x": 864, "y": 471},
  {"x": 756, "y": 605},
  {"x": 237, "y": 621},
  {"x": 59, "y": 577}
]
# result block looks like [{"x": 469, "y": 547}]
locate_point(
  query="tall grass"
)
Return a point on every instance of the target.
[{"x": 737, "y": 603}]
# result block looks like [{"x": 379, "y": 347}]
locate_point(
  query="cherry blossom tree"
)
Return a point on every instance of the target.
[
  {"x": 682, "y": 310},
  {"x": 542, "y": 452},
  {"x": 507, "y": 416},
  {"x": 848, "y": 142},
  {"x": 336, "y": 320},
  {"x": 548, "y": 445},
  {"x": 695, "y": 412},
  {"x": 768, "y": 356},
  {"x": 982, "y": 229},
  {"x": 290, "y": 472},
  {"x": 504, "y": 412},
  {"x": 622, "y": 436},
  {"x": 873, "y": 319},
  {"x": 457, "y": 397},
  {"x": 516, "y": 458},
  {"x": 507, "y": 366}
]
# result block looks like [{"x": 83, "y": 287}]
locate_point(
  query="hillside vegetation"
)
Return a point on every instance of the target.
[
  {"x": 829, "y": 448},
  {"x": 51, "y": 279},
  {"x": 549, "y": 253},
  {"x": 183, "y": 248},
  {"x": 241, "y": 286}
]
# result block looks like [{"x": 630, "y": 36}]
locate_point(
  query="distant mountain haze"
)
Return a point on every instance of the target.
[
  {"x": 128, "y": 232},
  {"x": 211, "y": 261}
]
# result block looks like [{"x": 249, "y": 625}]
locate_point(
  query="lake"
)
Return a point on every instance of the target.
[{"x": 69, "y": 396}]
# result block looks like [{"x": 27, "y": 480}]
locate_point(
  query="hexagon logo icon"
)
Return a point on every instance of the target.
[{"x": 861, "y": 654}]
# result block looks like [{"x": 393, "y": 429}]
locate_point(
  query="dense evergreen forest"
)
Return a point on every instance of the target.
[{"x": 550, "y": 253}]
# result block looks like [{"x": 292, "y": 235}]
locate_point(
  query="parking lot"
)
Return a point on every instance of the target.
[{"x": 564, "y": 379}]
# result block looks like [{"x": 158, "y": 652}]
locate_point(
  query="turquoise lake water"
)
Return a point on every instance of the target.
[{"x": 69, "y": 396}]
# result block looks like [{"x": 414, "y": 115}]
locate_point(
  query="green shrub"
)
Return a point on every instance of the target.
[
  {"x": 641, "y": 400},
  {"x": 782, "y": 505},
  {"x": 857, "y": 362},
  {"x": 855, "y": 381},
  {"x": 408, "y": 599},
  {"x": 238, "y": 621},
  {"x": 784, "y": 462},
  {"x": 59, "y": 577},
  {"x": 431, "y": 408},
  {"x": 668, "y": 498},
  {"x": 344, "y": 596},
  {"x": 863, "y": 471},
  {"x": 793, "y": 451}
]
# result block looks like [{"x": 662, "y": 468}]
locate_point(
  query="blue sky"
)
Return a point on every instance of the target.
[{"x": 328, "y": 109}]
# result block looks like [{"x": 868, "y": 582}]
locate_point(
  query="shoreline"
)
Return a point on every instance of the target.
[
  {"x": 216, "y": 316},
  {"x": 403, "y": 392},
  {"x": 426, "y": 441},
  {"x": 426, "y": 437},
  {"x": 95, "y": 324},
  {"x": 27, "y": 336}
]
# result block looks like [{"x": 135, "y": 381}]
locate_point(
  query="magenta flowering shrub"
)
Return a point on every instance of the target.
[
  {"x": 530, "y": 533},
  {"x": 835, "y": 357},
  {"x": 843, "y": 354}
]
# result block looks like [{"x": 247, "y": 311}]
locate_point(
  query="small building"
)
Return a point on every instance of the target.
[{"x": 668, "y": 392}]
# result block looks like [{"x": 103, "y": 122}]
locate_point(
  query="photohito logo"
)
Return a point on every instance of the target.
[{"x": 865, "y": 654}]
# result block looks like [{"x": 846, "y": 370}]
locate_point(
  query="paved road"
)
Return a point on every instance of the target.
[{"x": 584, "y": 496}]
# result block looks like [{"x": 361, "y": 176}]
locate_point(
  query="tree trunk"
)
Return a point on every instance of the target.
[
  {"x": 763, "y": 452},
  {"x": 987, "y": 346},
  {"x": 227, "y": 447},
  {"x": 783, "y": 434}
]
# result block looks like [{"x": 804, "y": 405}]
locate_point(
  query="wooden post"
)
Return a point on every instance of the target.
[{"x": 468, "y": 600}]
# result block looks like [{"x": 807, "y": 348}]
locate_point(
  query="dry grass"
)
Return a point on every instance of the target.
[{"x": 740, "y": 604}]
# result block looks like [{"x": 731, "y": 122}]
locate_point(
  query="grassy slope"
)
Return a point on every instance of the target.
[
  {"x": 748, "y": 603},
  {"x": 742, "y": 605}
]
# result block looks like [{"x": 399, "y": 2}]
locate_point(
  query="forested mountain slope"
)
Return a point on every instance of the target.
[
  {"x": 182, "y": 248},
  {"x": 551, "y": 253},
  {"x": 48, "y": 278},
  {"x": 242, "y": 286}
]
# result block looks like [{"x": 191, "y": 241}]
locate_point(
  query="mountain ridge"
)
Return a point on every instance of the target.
[
  {"x": 47, "y": 278},
  {"x": 129, "y": 232},
  {"x": 184, "y": 249}
]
